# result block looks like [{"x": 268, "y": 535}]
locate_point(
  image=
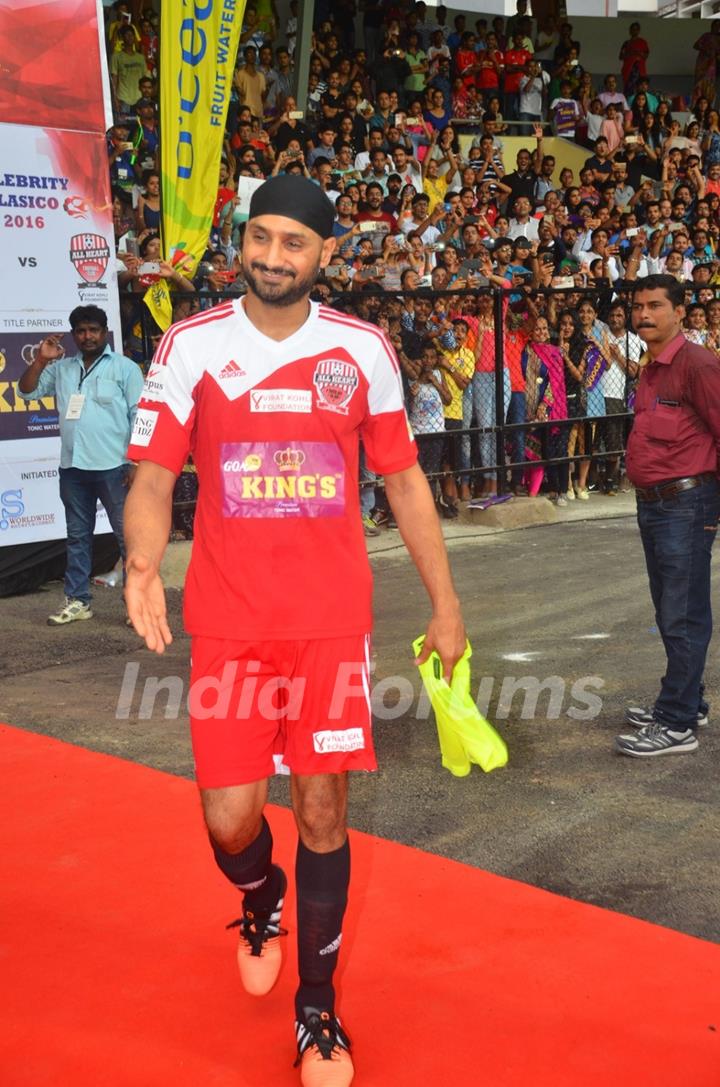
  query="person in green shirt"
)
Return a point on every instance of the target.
[
  {"x": 127, "y": 68},
  {"x": 417, "y": 59}
]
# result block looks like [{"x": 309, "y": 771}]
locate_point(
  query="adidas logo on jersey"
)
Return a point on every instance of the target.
[{"x": 231, "y": 369}]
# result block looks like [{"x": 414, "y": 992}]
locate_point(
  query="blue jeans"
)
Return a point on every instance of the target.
[
  {"x": 677, "y": 535},
  {"x": 367, "y": 486},
  {"x": 80, "y": 491},
  {"x": 516, "y": 414},
  {"x": 479, "y": 402}
]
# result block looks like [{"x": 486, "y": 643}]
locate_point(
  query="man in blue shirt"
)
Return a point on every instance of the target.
[{"x": 96, "y": 392}]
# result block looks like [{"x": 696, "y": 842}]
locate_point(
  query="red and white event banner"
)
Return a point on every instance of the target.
[
  {"x": 51, "y": 73},
  {"x": 56, "y": 236},
  {"x": 57, "y": 251}
]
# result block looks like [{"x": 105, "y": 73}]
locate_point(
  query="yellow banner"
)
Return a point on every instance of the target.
[{"x": 198, "y": 47}]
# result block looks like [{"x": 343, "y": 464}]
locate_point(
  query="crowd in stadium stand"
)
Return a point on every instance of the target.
[{"x": 404, "y": 129}]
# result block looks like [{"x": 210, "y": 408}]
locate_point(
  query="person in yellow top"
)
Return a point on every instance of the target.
[
  {"x": 435, "y": 179},
  {"x": 459, "y": 365},
  {"x": 121, "y": 18}
]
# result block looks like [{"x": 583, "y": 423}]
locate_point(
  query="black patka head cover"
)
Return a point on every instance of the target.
[{"x": 296, "y": 198}]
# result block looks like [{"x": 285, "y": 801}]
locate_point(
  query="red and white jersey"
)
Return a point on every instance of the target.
[{"x": 273, "y": 428}]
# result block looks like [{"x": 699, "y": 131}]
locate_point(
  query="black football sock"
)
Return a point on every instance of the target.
[
  {"x": 322, "y": 885},
  {"x": 252, "y": 871}
]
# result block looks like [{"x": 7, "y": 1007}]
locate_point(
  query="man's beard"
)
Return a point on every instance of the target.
[{"x": 285, "y": 293}]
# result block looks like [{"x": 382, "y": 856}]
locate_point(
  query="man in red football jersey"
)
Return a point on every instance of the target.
[{"x": 270, "y": 393}]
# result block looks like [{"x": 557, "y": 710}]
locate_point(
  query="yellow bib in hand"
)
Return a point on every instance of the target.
[{"x": 465, "y": 736}]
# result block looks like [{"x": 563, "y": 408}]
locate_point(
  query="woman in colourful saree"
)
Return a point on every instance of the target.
[
  {"x": 545, "y": 399},
  {"x": 633, "y": 53},
  {"x": 708, "y": 50}
]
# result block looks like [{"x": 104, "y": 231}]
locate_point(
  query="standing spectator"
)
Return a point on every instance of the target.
[
  {"x": 429, "y": 394},
  {"x": 418, "y": 61},
  {"x": 438, "y": 51},
  {"x": 96, "y": 392},
  {"x": 566, "y": 112},
  {"x": 127, "y": 68},
  {"x": 121, "y": 18},
  {"x": 392, "y": 69},
  {"x": 148, "y": 92},
  {"x": 634, "y": 53},
  {"x": 466, "y": 60},
  {"x": 567, "y": 46},
  {"x": 612, "y": 128},
  {"x": 610, "y": 93},
  {"x": 532, "y": 90},
  {"x": 122, "y": 158},
  {"x": 149, "y": 45},
  {"x": 459, "y": 366},
  {"x": 547, "y": 40},
  {"x": 491, "y": 64},
  {"x": 148, "y": 136},
  {"x": 516, "y": 21},
  {"x": 626, "y": 349},
  {"x": 515, "y": 60},
  {"x": 291, "y": 27},
  {"x": 708, "y": 50},
  {"x": 250, "y": 84},
  {"x": 373, "y": 15},
  {"x": 265, "y": 68},
  {"x": 252, "y": 33}
]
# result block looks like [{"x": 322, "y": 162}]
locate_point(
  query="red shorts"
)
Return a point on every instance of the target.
[{"x": 257, "y": 708}]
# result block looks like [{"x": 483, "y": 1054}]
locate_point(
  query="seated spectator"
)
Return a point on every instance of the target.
[
  {"x": 610, "y": 93},
  {"x": 522, "y": 225},
  {"x": 438, "y": 113}
]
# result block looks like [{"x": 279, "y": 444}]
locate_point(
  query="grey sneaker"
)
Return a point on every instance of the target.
[
  {"x": 639, "y": 716},
  {"x": 656, "y": 739},
  {"x": 369, "y": 526},
  {"x": 70, "y": 612}
]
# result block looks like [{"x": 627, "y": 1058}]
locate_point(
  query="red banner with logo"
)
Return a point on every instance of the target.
[{"x": 50, "y": 72}]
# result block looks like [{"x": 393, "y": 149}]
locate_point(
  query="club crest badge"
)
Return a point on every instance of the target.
[
  {"x": 335, "y": 381},
  {"x": 90, "y": 254}
]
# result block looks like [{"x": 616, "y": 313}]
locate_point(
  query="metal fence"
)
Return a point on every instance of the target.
[
  {"x": 551, "y": 388},
  {"x": 506, "y": 429}
]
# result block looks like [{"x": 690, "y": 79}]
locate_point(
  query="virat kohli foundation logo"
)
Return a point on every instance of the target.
[
  {"x": 335, "y": 381},
  {"x": 90, "y": 254}
]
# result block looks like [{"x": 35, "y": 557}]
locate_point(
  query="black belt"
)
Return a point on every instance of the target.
[{"x": 672, "y": 487}]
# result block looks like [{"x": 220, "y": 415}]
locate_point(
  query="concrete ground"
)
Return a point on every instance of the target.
[{"x": 564, "y": 604}]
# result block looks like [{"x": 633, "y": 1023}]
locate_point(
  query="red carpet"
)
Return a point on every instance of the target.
[{"x": 115, "y": 968}]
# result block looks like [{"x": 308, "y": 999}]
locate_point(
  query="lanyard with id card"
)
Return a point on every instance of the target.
[
  {"x": 77, "y": 400},
  {"x": 75, "y": 406}
]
